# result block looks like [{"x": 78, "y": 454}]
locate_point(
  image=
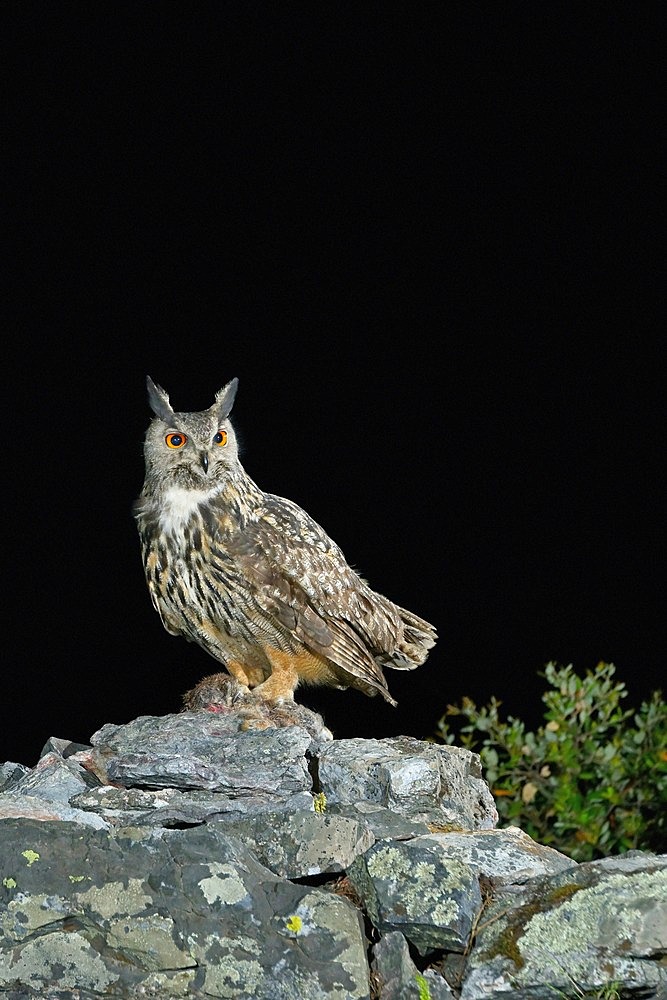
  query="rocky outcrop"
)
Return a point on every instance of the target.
[{"x": 191, "y": 856}]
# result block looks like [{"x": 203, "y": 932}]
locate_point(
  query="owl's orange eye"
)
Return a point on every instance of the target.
[
  {"x": 175, "y": 440},
  {"x": 221, "y": 438}
]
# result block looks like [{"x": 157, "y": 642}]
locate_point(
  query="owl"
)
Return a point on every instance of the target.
[{"x": 249, "y": 576}]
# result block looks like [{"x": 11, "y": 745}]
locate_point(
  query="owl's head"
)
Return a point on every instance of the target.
[{"x": 191, "y": 450}]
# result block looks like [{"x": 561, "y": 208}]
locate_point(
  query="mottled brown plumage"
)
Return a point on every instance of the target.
[{"x": 250, "y": 576}]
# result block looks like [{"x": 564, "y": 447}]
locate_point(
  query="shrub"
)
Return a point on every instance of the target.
[{"x": 592, "y": 780}]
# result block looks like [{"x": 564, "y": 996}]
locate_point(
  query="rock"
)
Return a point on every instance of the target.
[
  {"x": 32, "y": 807},
  {"x": 53, "y": 779},
  {"x": 398, "y": 977},
  {"x": 422, "y": 781},
  {"x": 592, "y": 925},
  {"x": 305, "y": 843},
  {"x": 9, "y": 773},
  {"x": 385, "y": 824},
  {"x": 167, "y": 807},
  {"x": 44, "y": 792},
  {"x": 192, "y": 911},
  {"x": 406, "y": 886},
  {"x": 195, "y": 750},
  {"x": 207, "y": 854},
  {"x": 63, "y": 748},
  {"x": 501, "y": 856}
]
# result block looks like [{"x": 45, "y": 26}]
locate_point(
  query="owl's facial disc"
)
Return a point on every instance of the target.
[{"x": 198, "y": 450}]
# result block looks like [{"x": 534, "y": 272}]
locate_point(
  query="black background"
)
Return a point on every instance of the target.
[{"x": 427, "y": 248}]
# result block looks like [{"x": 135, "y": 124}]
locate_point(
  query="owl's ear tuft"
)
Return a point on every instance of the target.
[
  {"x": 224, "y": 399},
  {"x": 159, "y": 402}
]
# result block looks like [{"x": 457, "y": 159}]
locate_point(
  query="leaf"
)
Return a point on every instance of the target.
[
  {"x": 601, "y": 783},
  {"x": 528, "y": 792}
]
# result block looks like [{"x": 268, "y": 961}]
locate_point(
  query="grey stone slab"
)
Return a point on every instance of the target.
[
  {"x": 502, "y": 856},
  {"x": 407, "y": 887},
  {"x": 385, "y": 824},
  {"x": 196, "y": 750},
  {"x": 10, "y": 773},
  {"x": 304, "y": 843},
  {"x": 192, "y": 913},
  {"x": 64, "y": 748},
  {"x": 54, "y": 779},
  {"x": 592, "y": 925},
  {"x": 23, "y": 806},
  {"x": 399, "y": 978},
  {"x": 423, "y": 781},
  {"x": 170, "y": 807}
]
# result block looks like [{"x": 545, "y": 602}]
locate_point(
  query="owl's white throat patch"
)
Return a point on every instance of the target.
[{"x": 179, "y": 505}]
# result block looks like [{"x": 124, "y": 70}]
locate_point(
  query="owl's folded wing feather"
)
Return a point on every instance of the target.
[{"x": 301, "y": 577}]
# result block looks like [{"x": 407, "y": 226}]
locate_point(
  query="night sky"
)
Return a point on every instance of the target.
[{"x": 428, "y": 251}]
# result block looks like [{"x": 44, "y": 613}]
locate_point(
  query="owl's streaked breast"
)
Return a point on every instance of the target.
[
  {"x": 194, "y": 581},
  {"x": 179, "y": 506}
]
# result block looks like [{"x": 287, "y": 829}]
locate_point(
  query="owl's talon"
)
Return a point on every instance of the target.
[{"x": 278, "y": 700}]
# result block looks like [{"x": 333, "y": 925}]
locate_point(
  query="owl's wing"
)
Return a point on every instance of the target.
[{"x": 299, "y": 575}]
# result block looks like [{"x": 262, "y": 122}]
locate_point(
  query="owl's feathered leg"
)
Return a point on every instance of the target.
[
  {"x": 282, "y": 682},
  {"x": 250, "y": 677}
]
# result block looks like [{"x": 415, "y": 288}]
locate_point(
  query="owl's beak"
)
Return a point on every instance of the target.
[{"x": 204, "y": 461}]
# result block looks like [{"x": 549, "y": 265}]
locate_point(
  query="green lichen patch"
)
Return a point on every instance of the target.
[
  {"x": 65, "y": 958},
  {"x": 506, "y": 943},
  {"x": 171, "y": 985},
  {"x": 223, "y": 885},
  {"x": 609, "y": 914},
  {"x": 235, "y": 977},
  {"x": 114, "y": 898},
  {"x": 294, "y": 923},
  {"x": 422, "y": 986},
  {"x": 590, "y": 926},
  {"x": 26, "y": 914},
  {"x": 149, "y": 942},
  {"x": 406, "y": 886}
]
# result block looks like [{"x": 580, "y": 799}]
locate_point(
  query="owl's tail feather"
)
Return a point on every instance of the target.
[{"x": 419, "y": 636}]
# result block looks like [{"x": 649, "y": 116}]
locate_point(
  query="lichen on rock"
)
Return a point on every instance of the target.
[{"x": 185, "y": 857}]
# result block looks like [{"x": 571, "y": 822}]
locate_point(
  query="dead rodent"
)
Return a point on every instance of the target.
[{"x": 222, "y": 693}]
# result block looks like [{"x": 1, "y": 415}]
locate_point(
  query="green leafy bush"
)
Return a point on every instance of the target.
[{"x": 592, "y": 780}]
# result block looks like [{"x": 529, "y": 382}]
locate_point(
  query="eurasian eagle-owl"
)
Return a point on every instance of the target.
[{"x": 249, "y": 576}]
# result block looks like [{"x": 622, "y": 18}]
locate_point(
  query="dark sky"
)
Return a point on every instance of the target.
[{"x": 429, "y": 252}]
